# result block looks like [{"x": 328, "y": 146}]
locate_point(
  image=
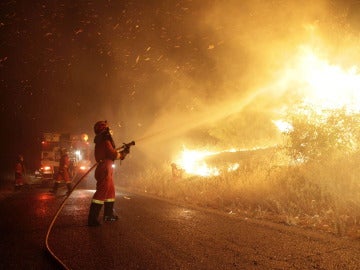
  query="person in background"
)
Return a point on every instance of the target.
[
  {"x": 105, "y": 154},
  {"x": 19, "y": 172},
  {"x": 176, "y": 172},
  {"x": 63, "y": 174}
]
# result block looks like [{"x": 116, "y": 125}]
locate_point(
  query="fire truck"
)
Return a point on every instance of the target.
[{"x": 78, "y": 149}]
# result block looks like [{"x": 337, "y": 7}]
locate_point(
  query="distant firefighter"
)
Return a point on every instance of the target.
[
  {"x": 19, "y": 172},
  {"x": 63, "y": 174},
  {"x": 176, "y": 171}
]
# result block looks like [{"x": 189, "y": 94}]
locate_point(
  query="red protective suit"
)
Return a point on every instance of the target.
[
  {"x": 63, "y": 174},
  {"x": 105, "y": 154},
  {"x": 19, "y": 173}
]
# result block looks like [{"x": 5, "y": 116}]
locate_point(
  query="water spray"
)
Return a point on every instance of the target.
[{"x": 152, "y": 135}]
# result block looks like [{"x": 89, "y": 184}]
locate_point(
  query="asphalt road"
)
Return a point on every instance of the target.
[{"x": 156, "y": 234}]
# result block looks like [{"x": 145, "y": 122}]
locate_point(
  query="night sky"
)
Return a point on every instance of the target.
[{"x": 66, "y": 64}]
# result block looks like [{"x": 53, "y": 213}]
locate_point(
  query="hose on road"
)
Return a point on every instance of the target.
[{"x": 59, "y": 261}]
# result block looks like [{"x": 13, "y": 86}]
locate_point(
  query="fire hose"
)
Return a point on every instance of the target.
[{"x": 125, "y": 146}]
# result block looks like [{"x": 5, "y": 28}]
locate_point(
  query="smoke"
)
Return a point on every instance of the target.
[
  {"x": 213, "y": 61},
  {"x": 161, "y": 69}
]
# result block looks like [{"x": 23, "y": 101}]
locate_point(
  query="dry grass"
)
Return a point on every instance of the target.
[{"x": 323, "y": 196}]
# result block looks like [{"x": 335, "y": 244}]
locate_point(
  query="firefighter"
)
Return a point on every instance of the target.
[
  {"x": 176, "y": 172},
  {"x": 19, "y": 172},
  {"x": 105, "y": 154},
  {"x": 63, "y": 174}
]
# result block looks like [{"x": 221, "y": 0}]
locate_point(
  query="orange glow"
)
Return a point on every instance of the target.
[
  {"x": 46, "y": 168},
  {"x": 330, "y": 86},
  {"x": 44, "y": 197},
  {"x": 322, "y": 85},
  {"x": 193, "y": 162},
  {"x": 283, "y": 126},
  {"x": 84, "y": 137},
  {"x": 233, "y": 167}
]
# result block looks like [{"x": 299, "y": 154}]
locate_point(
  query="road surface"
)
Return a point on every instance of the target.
[{"x": 156, "y": 234}]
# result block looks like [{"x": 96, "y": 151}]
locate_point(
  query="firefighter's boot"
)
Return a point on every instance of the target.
[
  {"x": 69, "y": 188},
  {"x": 55, "y": 188},
  {"x": 94, "y": 212},
  {"x": 109, "y": 214}
]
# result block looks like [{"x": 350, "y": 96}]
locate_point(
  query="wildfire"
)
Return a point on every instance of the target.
[
  {"x": 193, "y": 162},
  {"x": 321, "y": 86},
  {"x": 324, "y": 85},
  {"x": 283, "y": 126},
  {"x": 330, "y": 86}
]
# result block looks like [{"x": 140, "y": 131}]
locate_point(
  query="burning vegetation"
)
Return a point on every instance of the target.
[{"x": 307, "y": 175}]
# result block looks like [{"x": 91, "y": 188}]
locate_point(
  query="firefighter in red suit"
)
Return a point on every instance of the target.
[
  {"x": 105, "y": 154},
  {"x": 19, "y": 172},
  {"x": 63, "y": 173}
]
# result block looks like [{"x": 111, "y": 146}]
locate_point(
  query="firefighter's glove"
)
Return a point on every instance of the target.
[
  {"x": 126, "y": 149},
  {"x": 123, "y": 153}
]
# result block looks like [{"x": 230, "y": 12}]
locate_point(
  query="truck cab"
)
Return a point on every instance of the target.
[{"x": 78, "y": 149}]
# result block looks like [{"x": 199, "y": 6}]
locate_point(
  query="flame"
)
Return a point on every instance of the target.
[
  {"x": 233, "y": 167},
  {"x": 321, "y": 86},
  {"x": 283, "y": 126},
  {"x": 330, "y": 86},
  {"x": 193, "y": 162},
  {"x": 324, "y": 85}
]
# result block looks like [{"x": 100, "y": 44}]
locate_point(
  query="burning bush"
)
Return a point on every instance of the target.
[
  {"x": 312, "y": 181},
  {"x": 321, "y": 135}
]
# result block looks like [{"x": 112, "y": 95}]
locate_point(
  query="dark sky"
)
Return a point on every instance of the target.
[{"x": 66, "y": 64}]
